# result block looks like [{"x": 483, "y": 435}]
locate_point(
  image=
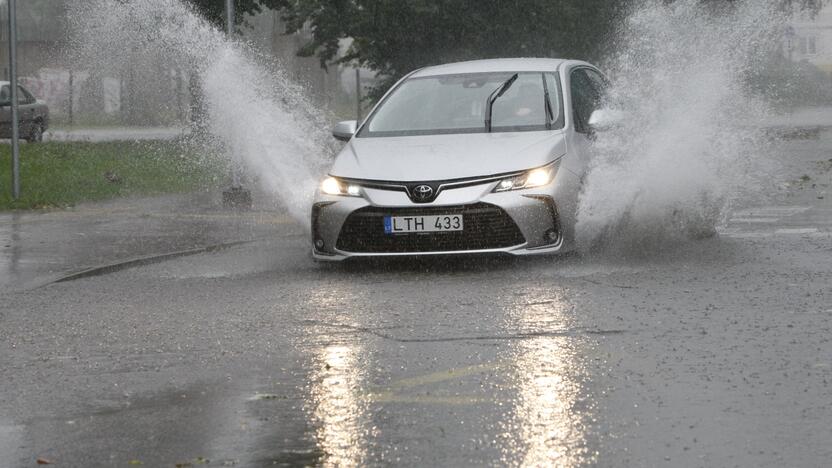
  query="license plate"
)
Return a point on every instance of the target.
[{"x": 411, "y": 224}]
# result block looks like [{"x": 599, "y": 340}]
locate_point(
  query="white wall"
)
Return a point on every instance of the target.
[{"x": 821, "y": 30}]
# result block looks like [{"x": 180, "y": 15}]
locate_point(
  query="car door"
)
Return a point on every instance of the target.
[
  {"x": 5, "y": 112},
  {"x": 26, "y": 111},
  {"x": 585, "y": 97}
]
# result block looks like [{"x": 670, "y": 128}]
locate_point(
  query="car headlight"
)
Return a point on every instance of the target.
[
  {"x": 333, "y": 186},
  {"x": 530, "y": 179}
]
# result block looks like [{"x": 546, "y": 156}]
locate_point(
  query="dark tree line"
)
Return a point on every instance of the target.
[
  {"x": 214, "y": 10},
  {"x": 393, "y": 37}
]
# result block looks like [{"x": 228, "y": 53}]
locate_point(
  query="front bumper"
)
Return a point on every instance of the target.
[{"x": 522, "y": 222}]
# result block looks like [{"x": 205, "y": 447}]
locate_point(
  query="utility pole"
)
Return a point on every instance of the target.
[
  {"x": 71, "y": 109},
  {"x": 358, "y": 94},
  {"x": 230, "y": 16},
  {"x": 236, "y": 196},
  {"x": 14, "y": 104}
]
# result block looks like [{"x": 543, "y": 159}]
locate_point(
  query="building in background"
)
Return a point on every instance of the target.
[
  {"x": 333, "y": 87},
  {"x": 142, "y": 93},
  {"x": 41, "y": 33},
  {"x": 811, "y": 41}
]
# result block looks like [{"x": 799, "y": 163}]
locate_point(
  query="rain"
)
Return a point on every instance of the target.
[{"x": 415, "y": 233}]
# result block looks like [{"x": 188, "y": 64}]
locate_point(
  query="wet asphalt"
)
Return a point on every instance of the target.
[{"x": 705, "y": 353}]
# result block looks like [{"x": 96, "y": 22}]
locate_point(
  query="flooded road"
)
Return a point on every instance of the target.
[{"x": 708, "y": 353}]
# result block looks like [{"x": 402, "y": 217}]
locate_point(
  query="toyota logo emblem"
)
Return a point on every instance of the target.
[{"x": 423, "y": 192}]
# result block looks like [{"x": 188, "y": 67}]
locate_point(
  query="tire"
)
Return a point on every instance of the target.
[{"x": 37, "y": 134}]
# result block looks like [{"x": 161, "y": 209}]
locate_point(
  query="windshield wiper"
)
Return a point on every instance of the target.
[
  {"x": 550, "y": 115},
  {"x": 489, "y": 105}
]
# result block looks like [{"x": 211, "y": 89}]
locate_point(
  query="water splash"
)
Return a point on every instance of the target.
[
  {"x": 253, "y": 111},
  {"x": 692, "y": 146}
]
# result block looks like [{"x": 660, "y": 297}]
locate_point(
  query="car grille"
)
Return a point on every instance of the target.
[{"x": 485, "y": 227}]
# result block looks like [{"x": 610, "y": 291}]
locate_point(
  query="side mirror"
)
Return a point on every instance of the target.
[
  {"x": 345, "y": 130},
  {"x": 606, "y": 119}
]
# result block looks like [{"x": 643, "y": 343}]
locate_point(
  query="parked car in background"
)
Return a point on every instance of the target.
[{"x": 33, "y": 114}]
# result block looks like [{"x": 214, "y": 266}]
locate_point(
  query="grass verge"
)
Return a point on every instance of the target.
[{"x": 57, "y": 175}]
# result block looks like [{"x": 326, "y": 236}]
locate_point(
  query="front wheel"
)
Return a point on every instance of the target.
[{"x": 37, "y": 134}]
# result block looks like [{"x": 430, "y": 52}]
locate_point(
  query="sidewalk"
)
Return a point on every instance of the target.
[
  {"x": 805, "y": 117},
  {"x": 39, "y": 247},
  {"x": 801, "y": 122}
]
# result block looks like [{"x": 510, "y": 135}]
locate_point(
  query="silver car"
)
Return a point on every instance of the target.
[
  {"x": 33, "y": 114},
  {"x": 476, "y": 157}
]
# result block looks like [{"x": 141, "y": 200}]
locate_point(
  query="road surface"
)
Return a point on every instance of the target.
[{"x": 706, "y": 353}]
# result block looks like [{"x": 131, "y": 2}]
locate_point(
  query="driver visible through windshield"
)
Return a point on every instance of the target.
[{"x": 449, "y": 104}]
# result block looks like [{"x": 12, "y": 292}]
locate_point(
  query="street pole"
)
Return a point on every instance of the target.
[
  {"x": 358, "y": 94},
  {"x": 230, "y": 18},
  {"x": 236, "y": 196},
  {"x": 229, "y": 10},
  {"x": 14, "y": 105},
  {"x": 72, "y": 97}
]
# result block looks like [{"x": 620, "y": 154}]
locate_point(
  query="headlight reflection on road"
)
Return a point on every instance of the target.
[
  {"x": 549, "y": 426},
  {"x": 338, "y": 366},
  {"x": 338, "y": 408}
]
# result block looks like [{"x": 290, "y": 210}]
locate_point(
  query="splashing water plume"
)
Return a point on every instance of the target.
[
  {"x": 689, "y": 150},
  {"x": 254, "y": 112},
  {"x": 691, "y": 146}
]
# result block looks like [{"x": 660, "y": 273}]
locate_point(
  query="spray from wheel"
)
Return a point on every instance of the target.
[
  {"x": 253, "y": 111},
  {"x": 691, "y": 147}
]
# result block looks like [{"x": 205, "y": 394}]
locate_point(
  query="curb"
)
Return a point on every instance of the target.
[{"x": 142, "y": 261}]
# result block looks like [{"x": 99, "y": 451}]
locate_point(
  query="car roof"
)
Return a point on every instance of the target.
[{"x": 492, "y": 65}]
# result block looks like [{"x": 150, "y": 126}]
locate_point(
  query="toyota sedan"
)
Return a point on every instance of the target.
[{"x": 466, "y": 158}]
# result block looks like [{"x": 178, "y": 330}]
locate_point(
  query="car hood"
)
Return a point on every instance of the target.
[{"x": 446, "y": 157}]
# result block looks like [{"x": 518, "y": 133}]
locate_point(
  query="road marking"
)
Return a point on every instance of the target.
[
  {"x": 392, "y": 394},
  {"x": 390, "y": 397},
  {"x": 755, "y": 220},
  {"x": 442, "y": 376},
  {"x": 796, "y": 231},
  {"x": 769, "y": 211},
  {"x": 749, "y": 235},
  {"x": 742, "y": 220}
]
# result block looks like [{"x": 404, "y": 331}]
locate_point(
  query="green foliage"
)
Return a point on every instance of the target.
[
  {"x": 394, "y": 37},
  {"x": 62, "y": 174},
  {"x": 214, "y": 10}
]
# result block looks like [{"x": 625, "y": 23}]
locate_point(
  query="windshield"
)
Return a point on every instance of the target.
[{"x": 457, "y": 104}]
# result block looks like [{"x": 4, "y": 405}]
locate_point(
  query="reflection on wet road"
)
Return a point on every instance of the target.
[
  {"x": 337, "y": 406},
  {"x": 336, "y": 403},
  {"x": 540, "y": 415},
  {"x": 706, "y": 353},
  {"x": 552, "y": 411}
]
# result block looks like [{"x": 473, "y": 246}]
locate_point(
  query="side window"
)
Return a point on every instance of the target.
[
  {"x": 600, "y": 84},
  {"x": 584, "y": 98},
  {"x": 5, "y": 95},
  {"x": 589, "y": 90}
]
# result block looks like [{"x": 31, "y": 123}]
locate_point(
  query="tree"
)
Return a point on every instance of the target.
[
  {"x": 393, "y": 37},
  {"x": 214, "y": 10}
]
